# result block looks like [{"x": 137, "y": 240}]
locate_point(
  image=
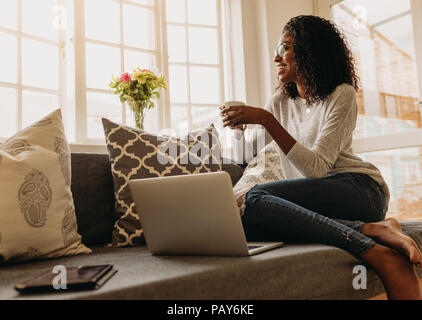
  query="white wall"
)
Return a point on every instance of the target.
[
  {"x": 263, "y": 21},
  {"x": 417, "y": 25}
]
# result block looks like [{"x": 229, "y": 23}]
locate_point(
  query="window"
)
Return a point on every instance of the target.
[
  {"x": 195, "y": 62},
  {"x": 402, "y": 170},
  {"x": 63, "y": 53},
  {"x": 382, "y": 37},
  {"x": 31, "y": 68},
  {"x": 119, "y": 37},
  {"x": 385, "y": 55}
]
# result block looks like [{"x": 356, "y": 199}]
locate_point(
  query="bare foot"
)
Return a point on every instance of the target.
[
  {"x": 396, "y": 272},
  {"x": 389, "y": 232}
]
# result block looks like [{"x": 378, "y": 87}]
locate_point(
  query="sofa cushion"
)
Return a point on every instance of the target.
[
  {"x": 235, "y": 171},
  {"x": 295, "y": 271},
  {"x": 93, "y": 195},
  {"x": 37, "y": 214},
  {"x": 137, "y": 154}
]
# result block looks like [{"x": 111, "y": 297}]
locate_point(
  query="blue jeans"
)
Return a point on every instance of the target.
[{"x": 330, "y": 210}]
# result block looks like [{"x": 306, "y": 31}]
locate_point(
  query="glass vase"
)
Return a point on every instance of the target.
[{"x": 138, "y": 108}]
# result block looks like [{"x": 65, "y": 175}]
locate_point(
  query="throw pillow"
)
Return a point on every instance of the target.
[
  {"x": 37, "y": 215},
  {"x": 264, "y": 168},
  {"x": 137, "y": 154}
]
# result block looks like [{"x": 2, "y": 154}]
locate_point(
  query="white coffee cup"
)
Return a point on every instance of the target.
[{"x": 238, "y": 133}]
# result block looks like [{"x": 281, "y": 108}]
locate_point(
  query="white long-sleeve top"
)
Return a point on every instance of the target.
[{"x": 323, "y": 132}]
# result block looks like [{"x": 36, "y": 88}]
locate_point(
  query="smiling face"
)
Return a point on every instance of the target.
[{"x": 286, "y": 65}]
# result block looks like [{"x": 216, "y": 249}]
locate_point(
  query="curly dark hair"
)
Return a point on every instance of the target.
[{"x": 323, "y": 58}]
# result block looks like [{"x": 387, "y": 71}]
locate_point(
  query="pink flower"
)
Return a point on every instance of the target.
[
  {"x": 125, "y": 77},
  {"x": 145, "y": 70}
]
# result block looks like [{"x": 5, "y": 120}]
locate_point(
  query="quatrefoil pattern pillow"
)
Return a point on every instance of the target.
[{"x": 137, "y": 154}]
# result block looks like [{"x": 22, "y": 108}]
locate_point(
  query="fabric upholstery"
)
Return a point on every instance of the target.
[
  {"x": 234, "y": 170},
  {"x": 93, "y": 195},
  {"x": 296, "y": 271},
  {"x": 264, "y": 168}
]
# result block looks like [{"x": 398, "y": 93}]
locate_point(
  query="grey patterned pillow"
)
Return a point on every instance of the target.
[{"x": 137, "y": 154}]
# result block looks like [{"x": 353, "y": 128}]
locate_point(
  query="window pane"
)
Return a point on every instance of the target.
[
  {"x": 176, "y": 40},
  {"x": 8, "y": 61},
  {"x": 9, "y": 14},
  {"x": 178, "y": 84},
  {"x": 101, "y": 105},
  {"x": 203, "y": 45},
  {"x": 102, "y": 62},
  {"x": 102, "y": 20},
  {"x": 384, "y": 51},
  {"x": 135, "y": 59},
  {"x": 180, "y": 119},
  {"x": 205, "y": 85},
  {"x": 202, "y": 12},
  {"x": 138, "y": 26},
  {"x": 402, "y": 170},
  {"x": 36, "y": 105},
  {"x": 8, "y": 111},
  {"x": 40, "y": 64},
  {"x": 203, "y": 117},
  {"x": 175, "y": 10},
  {"x": 40, "y": 17}
]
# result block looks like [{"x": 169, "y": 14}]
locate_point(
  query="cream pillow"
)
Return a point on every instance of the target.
[
  {"x": 37, "y": 215},
  {"x": 264, "y": 168}
]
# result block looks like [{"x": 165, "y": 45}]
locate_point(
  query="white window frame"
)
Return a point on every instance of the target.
[
  {"x": 399, "y": 140},
  {"x": 19, "y": 86}
]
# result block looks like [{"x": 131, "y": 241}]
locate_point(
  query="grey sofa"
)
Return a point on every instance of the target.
[{"x": 296, "y": 271}]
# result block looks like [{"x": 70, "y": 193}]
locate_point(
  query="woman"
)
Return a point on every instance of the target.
[{"x": 330, "y": 196}]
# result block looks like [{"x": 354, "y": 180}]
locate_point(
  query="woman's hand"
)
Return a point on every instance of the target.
[
  {"x": 240, "y": 200},
  {"x": 240, "y": 126},
  {"x": 237, "y": 116}
]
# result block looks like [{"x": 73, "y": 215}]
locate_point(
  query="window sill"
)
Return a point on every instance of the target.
[{"x": 87, "y": 148}]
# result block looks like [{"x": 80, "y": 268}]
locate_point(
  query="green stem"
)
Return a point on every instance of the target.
[{"x": 138, "y": 109}]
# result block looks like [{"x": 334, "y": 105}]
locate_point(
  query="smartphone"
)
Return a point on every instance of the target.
[{"x": 74, "y": 278}]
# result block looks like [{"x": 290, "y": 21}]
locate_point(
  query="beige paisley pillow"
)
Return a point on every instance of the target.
[
  {"x": 264, "y": 168},
  {"x": 136, "y": 154},
  {"x": 37, "y": 215}
]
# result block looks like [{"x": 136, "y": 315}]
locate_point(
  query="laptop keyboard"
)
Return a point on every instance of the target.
[{"x": 253, "y": 247}]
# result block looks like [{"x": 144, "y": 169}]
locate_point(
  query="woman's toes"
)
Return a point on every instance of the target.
[{"x": 389, "y": 232}]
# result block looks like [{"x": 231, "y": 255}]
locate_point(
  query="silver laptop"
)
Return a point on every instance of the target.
[{"x": 192, "y": 214}]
